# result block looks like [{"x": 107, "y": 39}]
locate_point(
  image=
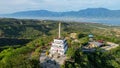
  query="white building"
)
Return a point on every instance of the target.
[{"x": 59, "y": 45}]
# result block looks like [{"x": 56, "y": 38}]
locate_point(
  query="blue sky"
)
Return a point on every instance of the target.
[{"x": 10, "y": 6}]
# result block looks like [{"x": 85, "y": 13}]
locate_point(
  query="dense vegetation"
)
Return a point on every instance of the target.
[
  {"x": 79, "y": 59},
  {"x": 21, "y": 42}
]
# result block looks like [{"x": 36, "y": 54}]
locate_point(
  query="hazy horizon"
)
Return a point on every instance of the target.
[{"x": 55, "y": 5}]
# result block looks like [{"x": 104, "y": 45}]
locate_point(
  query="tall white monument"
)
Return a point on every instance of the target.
[{"x": 59, "y": 45}]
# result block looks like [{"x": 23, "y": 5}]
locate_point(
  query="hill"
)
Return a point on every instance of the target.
[
  {"x": 31, "y": 29},
  {"x": 23, "y": 40}
]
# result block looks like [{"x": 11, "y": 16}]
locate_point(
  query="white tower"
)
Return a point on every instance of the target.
[
  {"x": 59, "y": 30},
  {"x": 59, "y": 45}
]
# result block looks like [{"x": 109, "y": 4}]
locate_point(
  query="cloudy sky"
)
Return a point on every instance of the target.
[{"x": 10, "y": 6}]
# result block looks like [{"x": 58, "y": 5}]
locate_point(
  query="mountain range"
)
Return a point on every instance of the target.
[{"x": 85, "y": 13}]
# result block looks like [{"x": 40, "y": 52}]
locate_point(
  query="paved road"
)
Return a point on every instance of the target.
[
  {"x": 46, "y": 62},
  {"x": 50, "y": 64}
]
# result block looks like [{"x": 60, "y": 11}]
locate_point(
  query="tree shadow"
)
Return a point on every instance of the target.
[{"x": 11, "y": 42}]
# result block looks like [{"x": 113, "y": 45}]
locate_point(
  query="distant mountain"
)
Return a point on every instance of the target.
[{"x": 87, "y": 13}]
